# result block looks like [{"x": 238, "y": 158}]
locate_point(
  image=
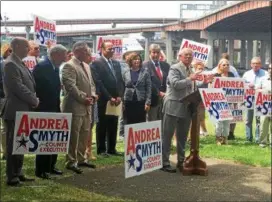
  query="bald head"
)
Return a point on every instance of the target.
[
  {"x": 20, "y": 46},
  {"x": 186, "y": 56},
  {"x": 107, "y": 49}
]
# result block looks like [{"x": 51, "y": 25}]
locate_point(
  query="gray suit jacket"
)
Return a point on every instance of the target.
[
  {"x": 19, "y": 88},
  {"x": 142, "y": 87},
  {"x": 178, "y": 86},
  {"x": 77, "y": 86}
]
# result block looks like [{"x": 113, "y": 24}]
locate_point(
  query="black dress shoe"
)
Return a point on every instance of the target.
[
  {"x": 75, "y": 169},
  {"x": 168, "y": 169},
  {"x": 16, "y": 183},
  {"x": 45, "y": 176},
  {"x": 85, "y": 164},
  {"x": 56, "y": 171},
  {"x": 104, "y": 154},
  {"x": 25, "y": 179},
  {"x": 116, "y": 153}
]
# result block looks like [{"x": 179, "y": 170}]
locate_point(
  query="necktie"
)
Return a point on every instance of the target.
[
  {"x": 188, "y": 72},
  {"x": 158, "y": 70},
  {"x": 111, "y": 68},
  {"x": 82, "y": 65}
]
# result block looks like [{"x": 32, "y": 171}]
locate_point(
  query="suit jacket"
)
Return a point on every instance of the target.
[
  {"x": 142, "y": 88},
  {"x": 108, "y": 85},
  {"x": 157, "y": 84},
  {"x": 178, "y": 86},
  {"x": 47, "y": 86},
  {"x": 19, "y": 88},
  {"x": 77, "y": 86}
]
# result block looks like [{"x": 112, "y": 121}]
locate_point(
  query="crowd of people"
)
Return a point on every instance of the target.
[{"x": 147, "y": 90}]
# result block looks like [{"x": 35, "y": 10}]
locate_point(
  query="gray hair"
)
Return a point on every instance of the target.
[
  {"x": 79, "y": 45},
  {"x": 185, "y": 51},
  {"x": 258, "y": 59},
  {"x": 58, "y": 48},
  {"x": 154, "y": 46},
  {"x": 16, "y": 41}
]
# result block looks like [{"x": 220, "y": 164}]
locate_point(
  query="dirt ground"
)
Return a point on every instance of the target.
[{"x": 226, "y": 181}]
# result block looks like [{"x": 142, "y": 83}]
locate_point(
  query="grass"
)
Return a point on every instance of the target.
[
  {"x": 44, "y": 190},
  {"x": 237, "y": 150}
]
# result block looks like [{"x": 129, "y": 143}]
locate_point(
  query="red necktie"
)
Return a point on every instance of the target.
[{"x": 158, "y": 70}]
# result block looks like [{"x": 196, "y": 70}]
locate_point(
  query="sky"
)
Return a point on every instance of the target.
[{"x": 92, "y": 9}]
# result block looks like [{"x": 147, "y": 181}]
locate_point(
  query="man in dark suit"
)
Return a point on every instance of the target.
[
  {"x": 110, "y": 86},
  {"x": 19, "y": 88},
  {"x": 158, "y": 71},
  {"x": 46, "y": 74}
]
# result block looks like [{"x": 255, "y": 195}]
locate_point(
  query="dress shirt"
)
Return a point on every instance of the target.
[{"x": 255, "y": 78}]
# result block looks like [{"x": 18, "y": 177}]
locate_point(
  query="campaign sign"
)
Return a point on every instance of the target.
[
  {"x": 249, "y": 97},
  {"x": 41, "y": 133},
  {"x": 44, "y": 31},
  {"x": 117, "y": 43},
  {"x": 204, "y": 76},
  {"x": 237, "y": 112},
  {"x": 143, "y": 148},
  {"x": 263, "y": 103},
  {"x": 131, "y": 44},
  {"x": 216, "y": 104},
  {"x": 234, "y": 88},
  {"x": 201, "y": 51},
  {"x": 30, "y": 62}
]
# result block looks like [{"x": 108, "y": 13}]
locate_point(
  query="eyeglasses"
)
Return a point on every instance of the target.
[
  {"x": 10, "y": 51},
  {"x": 225, "y": 64},
  {"x": 36, "y": 48},
  {"x": 110, "y": 49}
]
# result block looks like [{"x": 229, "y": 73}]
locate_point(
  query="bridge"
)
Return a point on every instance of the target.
[
  {"x": 242, "y": 28},
  {"x": 95, "y": 21}
]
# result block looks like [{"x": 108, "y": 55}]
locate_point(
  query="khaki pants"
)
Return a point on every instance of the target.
[
  {"x": 266, "y": 129},
  {"x": 78, "y": 140}
]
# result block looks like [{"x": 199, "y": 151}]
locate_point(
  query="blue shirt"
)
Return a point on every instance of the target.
[{"x": 255, "y": 77}]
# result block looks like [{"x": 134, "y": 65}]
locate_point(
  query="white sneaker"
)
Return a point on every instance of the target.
[{"x": 262, "y": 145}]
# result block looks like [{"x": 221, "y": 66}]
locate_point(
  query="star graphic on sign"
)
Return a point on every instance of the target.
[
  {"x": 37, "y": 35},
  {"x": 22, "y": 142},
  {"x": 259, "y": 109},
  {"x": 131, "y": 162}
]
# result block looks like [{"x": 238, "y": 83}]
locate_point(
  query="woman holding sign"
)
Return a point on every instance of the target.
[
  {"x": 222, "y": 127},
  {"x": 137, "y": 96}
]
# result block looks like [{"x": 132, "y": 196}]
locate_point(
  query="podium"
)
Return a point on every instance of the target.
[{"x": 193, "y": 165}]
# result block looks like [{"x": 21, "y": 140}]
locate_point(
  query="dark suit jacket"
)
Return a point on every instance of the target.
[
  {"x": 47, "y": 86},
  {"x": 157, "y": 85},
  {"x": 19, "y": 88},
  {"x": 107, "y": 86}
]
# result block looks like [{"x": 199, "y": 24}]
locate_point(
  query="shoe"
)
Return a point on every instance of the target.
[
  {"x": 263, "y": 145},
  {"x": 224, "y": 140},
  {"x": 168, "y": 169},
  {"x": 45, "y": 176},
  {"x": 86, "y": 164},
  {"x": 231, "y": 136},
  {"x": 14, "y": 183},
  {"x": 180, "y": 166},
  {"x": 56, "y": 171},
  {"x": 103, "y": 154},
  {"x": 75, "y": 169},
  {"x": 218, "y": 140},
  {"x": 116, "y": 153},
  {"x": 4, "y": 158},
  {"x": 22, "y": 178}
]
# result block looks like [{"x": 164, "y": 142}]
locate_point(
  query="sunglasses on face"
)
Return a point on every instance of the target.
[
  {"x": 225, "y": 65},
  {"x": 10, "y": 51}
]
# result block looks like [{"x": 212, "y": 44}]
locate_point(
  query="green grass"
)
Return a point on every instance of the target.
[
  {"x": 44, "y": 190},
  {"x": 237, "y": 150}
]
